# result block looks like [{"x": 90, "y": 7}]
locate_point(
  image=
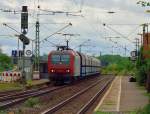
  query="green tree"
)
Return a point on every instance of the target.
[
  {"x": 143, "y": 3},
  {"x": 5, "y": 62},
  {"x": 117, "y": 65}
]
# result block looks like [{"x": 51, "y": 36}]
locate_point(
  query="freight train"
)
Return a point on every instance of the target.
[{"x": 66, "y": 65}]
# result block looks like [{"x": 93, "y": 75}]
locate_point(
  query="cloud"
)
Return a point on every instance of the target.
[{"x": 89, "y": 27}]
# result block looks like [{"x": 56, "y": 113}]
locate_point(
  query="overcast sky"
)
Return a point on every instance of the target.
[{"x": 123, "y": 25}]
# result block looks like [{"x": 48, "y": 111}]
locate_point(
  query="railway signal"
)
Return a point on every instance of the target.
[
  {"x": 24, "y": 39},
  {"x": 133, "y": 55},
  {"x": 24, "y": 20}
]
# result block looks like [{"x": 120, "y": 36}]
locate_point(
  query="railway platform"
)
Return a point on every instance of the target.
[
  {"x": 39, "y": 82},
  {"x": 122, "y": 96}
]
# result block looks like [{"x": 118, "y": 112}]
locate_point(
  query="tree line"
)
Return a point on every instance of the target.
[{"x": 5, "y": 62}]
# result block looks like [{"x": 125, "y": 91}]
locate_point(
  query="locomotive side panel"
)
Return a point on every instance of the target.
[
  {"x": 87, "y": 65},
  {"x": 77, "y": 63},
  {"x": 82, "y": 65}
]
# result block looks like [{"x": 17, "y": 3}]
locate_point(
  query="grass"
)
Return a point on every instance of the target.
[
  {"x": 32, "y": 102},
  {"x": 143, "y": 89},
  {"x": 3, "y": 112},
  {"x": 110, "y": 102},
  {"x": 10, "y": 86},
  {"x": 99, "y": 112},
  {"x": 145, "y": 110}
]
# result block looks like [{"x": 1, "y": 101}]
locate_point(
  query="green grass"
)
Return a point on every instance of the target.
[
  {"x": 142, "y": 88},
  {"x": 3, "y": 112},
  {"x": 10, "y": 86},
  {"x": 32, "y": 102},
  {"x": 147, "y": 94},
  {"x": 145, "y": 110},
  {"x": 99, "y": 112}
]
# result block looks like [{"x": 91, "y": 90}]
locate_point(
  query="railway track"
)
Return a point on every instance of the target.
[
  {"x": 9, "y": 100},
  {"x": 15, "y": 92},
  {"x": 4, "y": 93},
  {"x": 19, "y": 93},
  {"x": 63, "y": 106},
  {"x": 48, "y": 97},
  {"x": 13, "y": 99}
]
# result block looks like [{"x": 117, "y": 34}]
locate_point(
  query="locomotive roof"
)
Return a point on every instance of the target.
[{"x": 63, "y": 51}]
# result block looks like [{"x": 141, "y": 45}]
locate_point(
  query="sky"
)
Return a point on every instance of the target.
[{"x": 88, "y": 19}]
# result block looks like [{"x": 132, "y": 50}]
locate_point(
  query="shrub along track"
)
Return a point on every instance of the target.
[
  {"x": 49, "y": 100},
  {"x": 4, "y": 93}
]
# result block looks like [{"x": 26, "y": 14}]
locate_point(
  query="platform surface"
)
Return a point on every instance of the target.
[
  {"x": 132, "y": 97},
  {"x": 123, "y": 96},
  {"x": 39, "y": 82}
]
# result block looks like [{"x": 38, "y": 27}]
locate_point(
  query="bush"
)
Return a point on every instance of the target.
[
  {"x": 5, "y": 62},
  {"x": 29, "y": 83},
  {"x": 141, "y": 75},
  {"x": 32, "y": 102},
  {"x": 3, "y": 112},
  {"x": 145, "y": 110}
]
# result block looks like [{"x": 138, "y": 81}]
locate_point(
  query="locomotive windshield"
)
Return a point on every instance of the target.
[{"x": 60, "y": 59}]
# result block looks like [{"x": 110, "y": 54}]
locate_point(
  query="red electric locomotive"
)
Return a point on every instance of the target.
[{"x": 65, "y": 65}]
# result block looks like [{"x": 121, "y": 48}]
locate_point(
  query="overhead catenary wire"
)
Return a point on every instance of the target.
[
  {"x": 11, "y": 28},
  {"x": 93, "y": 28},
  {"x": 114, "y": 42},
  {"x": 104, "y": 24},
  {"x": 127, "y": 24},
  {"x": 74, "y": 0},
  {"x": 126, "y": 37},
  {"x": 46, "y": 38},
  {"x": 53, "y": 44}
]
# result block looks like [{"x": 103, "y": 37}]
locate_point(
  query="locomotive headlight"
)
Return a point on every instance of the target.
[
  {"x": 68, "y": 70},
  {"x": 52, "y": 70}
]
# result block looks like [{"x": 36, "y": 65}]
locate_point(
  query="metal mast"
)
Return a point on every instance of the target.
[
  {"x": 24, "y": 30},
  {"x": 37, "y": 46},
  {"x": 37, "y": 41}
]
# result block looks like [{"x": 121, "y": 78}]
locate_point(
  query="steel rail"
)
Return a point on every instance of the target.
[
  {"x": 4, "y": 105},
  {"x": 93, "y": 99},
  {"x": 61, "y": 104},
  {"x": 17, "y": 94}
]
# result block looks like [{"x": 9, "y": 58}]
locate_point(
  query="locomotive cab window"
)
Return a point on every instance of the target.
[
  {"x": 60, "y": 59},
  {"x": 55, "y": 59},
  {"x": 65, "y": 59}
]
